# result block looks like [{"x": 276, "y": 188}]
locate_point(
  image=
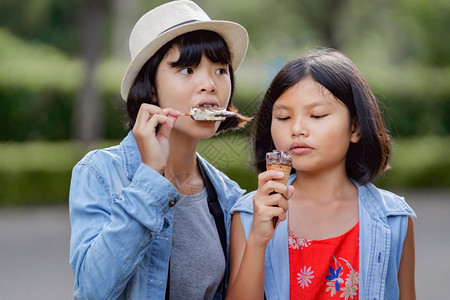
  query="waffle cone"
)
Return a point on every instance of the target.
[{"x": 281, "y": 168}]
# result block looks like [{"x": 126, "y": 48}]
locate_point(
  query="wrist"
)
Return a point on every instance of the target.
[
  {"x": 158, "y": 168},
  {"x": 257, "y": 242}
]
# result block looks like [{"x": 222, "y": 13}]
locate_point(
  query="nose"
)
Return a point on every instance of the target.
[
  {"x": 207, "y": 83},
  {"x": 299, "y": 128}
]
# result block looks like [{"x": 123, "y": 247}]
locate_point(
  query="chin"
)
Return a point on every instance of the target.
[{"x": 203, "y": 133}]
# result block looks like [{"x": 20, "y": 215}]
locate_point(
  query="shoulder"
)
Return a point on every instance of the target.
[
  {"x": 122, "y": 158},
  {"x": 244, "y": 204},
  {"x": 98, "y": 169},
  {"x": 96, "y": 159},
  {"x": 386, "y": 202}
]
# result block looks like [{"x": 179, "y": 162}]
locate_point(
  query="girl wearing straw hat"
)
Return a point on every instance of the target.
[{"x": 150, "y": 217}]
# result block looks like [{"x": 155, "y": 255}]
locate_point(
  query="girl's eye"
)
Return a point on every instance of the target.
[
  {"x": 283, "y": 118},
  {"x": 222, "y": 71},
  {"x": 319, "y": 116},
  {"x": 186, "y": 71}
]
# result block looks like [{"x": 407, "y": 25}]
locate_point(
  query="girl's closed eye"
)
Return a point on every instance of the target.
[
  {"x": 319, "y": 116},
  {"x": 283, "y": 118}
]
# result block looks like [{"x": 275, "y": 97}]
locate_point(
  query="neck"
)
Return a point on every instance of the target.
[
  {"x": 181, "y": 167},
  {"x": 324, "y": 187}
]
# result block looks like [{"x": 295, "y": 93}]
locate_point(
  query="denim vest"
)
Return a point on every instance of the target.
[
  {"x": 121, "y": 223},
  {"x": 383, "y": 221}
]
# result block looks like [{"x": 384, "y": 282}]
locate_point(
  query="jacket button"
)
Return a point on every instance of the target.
[{"x": 172, "y": 202}]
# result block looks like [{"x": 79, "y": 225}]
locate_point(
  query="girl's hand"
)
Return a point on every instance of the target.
[
  {"x": 269, "y": 201},
  {"x": 153, "y": 143}
]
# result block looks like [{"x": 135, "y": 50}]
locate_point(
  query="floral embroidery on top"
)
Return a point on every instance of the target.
[
  {"x": 335, "y": 280},
  {"x": 297, "y": 242},
  {"x": 305, "y": 276}
]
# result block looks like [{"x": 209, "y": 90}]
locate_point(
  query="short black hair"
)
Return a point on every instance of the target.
[
  {"x": 192, "y": 46},
  {"x": 366, "y": 159}
]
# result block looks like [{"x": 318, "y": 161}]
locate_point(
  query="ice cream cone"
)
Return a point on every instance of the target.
[
  {"x": 281, "y": 168},
  {"x": 279, "y": 161}
]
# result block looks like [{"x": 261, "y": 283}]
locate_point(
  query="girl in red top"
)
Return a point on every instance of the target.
[{"x": 321, "y": 110}]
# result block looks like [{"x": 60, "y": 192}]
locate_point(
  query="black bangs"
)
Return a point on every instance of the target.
[{"x": 193, "y": 45}]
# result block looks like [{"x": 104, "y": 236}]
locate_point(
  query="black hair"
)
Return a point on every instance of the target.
[
  {"x": 192, "y": 46},
  {"x": 366, "y": 159}
]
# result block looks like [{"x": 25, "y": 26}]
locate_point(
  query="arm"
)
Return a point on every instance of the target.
[
  {"x": 246, "y": 264},
  {"x": 246, "y": 280},
  {"x": 111, "y": 233},
  {"x": 406, "y": 272}
]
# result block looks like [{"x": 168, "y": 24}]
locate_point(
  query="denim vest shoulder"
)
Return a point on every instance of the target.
[{"x": 383, "y": 224}]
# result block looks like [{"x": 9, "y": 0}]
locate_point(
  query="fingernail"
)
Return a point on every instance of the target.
[{"x": 280, "y": 174}]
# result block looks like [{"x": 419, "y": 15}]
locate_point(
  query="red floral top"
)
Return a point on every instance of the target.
[{"x": 326, "y": 268}]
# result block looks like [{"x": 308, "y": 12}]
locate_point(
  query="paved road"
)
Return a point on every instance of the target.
[{"x": 34, "y": 247}]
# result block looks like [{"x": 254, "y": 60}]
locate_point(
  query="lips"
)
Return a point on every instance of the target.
[{"x": 300, "y": 148}]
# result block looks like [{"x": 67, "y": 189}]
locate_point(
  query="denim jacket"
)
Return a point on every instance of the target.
[
  {"x": 122, "y": 223},
  {"x": 383, "y": 221}
]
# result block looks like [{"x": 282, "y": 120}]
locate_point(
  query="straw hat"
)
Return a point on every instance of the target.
[{"x": 167, "y": 21}]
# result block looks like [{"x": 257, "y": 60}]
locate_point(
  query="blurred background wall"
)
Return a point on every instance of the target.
[{"x": 61, "y": 63}]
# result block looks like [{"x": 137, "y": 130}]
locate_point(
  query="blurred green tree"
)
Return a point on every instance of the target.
[{"x": 401, "y": 46}]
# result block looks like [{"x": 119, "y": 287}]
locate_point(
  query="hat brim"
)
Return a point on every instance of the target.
[{"x": 234, "y": 35}]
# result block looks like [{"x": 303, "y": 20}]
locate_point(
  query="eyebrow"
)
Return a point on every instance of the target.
[{"x": 310, "y": 105}]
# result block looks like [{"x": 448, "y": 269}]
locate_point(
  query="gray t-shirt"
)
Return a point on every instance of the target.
[{"x": 197, "y": 263}]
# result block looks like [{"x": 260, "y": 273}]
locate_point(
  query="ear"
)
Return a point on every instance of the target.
[
  {"x": 154, "y": 97},
  {"x": 355, "y": 137}
]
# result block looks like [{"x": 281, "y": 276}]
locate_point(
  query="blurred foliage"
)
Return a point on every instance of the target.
[
  {"x": 400, "y": 45},
  {"x": 43, "y": 21},
  {"x": 419, "y": 162},
  {"x": 39, "y": 172}
]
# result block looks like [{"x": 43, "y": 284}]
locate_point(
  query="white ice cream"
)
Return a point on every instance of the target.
[{"x": 202, "y": 114}]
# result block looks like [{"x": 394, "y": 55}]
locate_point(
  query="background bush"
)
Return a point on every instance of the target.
[
  {"x": 400, "y": 46},
  {"x": 39, "y": 172},
  {"x": 39, "y": 84}
]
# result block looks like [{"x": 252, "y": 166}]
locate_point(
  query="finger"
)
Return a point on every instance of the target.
[
  {"x": 276, "y": 200},
  {"x": 150, "y": 126},
  {"x": 266, "y": 176},
  {"x": 270, "y": 212},
  {"x": 286, "y": 191},
  {"x": 274, "y": 187},
  {"x": 279, "y": 217},
  {"x": 166, "y": 127},
  {"x": 280, "y": 213},
  {"x": 171, "y": 112},
  {"x": 261, "y": 202},
  {"x": 145, "y": 113},
  {"x": 157, "y": 119}
]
